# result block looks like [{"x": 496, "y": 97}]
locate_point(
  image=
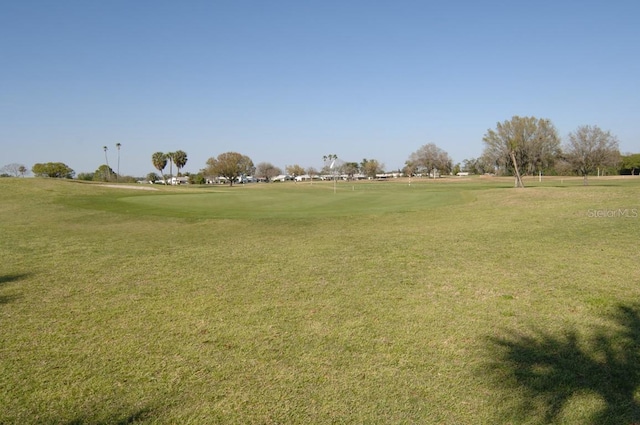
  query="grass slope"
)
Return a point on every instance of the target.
[{"x": 455, "y": 302}]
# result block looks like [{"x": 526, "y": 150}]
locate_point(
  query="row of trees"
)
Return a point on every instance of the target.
[
  {"x": 332, "y": 165},
  {"x": 524, "y": 145},
  {"x": 232, "y": 165},
  {"x": 177, "y": 158},
  {"x": 528, "y": 145},
  {"x": 521, "y": 145}
]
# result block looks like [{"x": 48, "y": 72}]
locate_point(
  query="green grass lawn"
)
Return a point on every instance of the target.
[{"x": 461, "y": 301}]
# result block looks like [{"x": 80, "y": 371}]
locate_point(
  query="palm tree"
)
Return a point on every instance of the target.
[
  {"x": 118, "y": 174},
  {"x": 106, "y": 158},
  {"x": 180, "y": 159},
  {"x": 170, "y": 156},
  {"x": 159, "y": 161}
]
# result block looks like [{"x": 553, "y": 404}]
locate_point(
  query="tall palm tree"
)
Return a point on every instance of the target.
[
  {"x": 118, "y": 174},
  {"x": 159, "y": 161},
  {"x": 106, "y": 158},
  {"x": 180, "y": 159},
  {"x": 170, "y": 156}
]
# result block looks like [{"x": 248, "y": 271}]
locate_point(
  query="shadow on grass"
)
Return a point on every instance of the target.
[
  {"x": 7, "y": 278},
  {"x": 546, "y": 373},
  {"x": 6, "y": 299},
  {"x": 138, "y": 416}
]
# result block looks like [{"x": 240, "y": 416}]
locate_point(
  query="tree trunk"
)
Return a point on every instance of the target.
[
  {"x": 515, "y": 167},
  {"x": 585, "y": 182}
]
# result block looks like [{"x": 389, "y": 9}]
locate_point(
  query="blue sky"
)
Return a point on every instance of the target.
[{"x": 287, "y": 82}]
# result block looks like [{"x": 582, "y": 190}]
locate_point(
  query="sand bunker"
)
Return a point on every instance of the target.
[{"x": 117, "y": 186}]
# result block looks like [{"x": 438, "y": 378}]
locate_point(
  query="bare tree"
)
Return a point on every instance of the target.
[
  {"x": 589, "y": 147},
  {"x": 312, "y": 173},
  {"x": 267, "y": 171},
  {"x": 522, "y": 144},
  {"x": 431, "y": 159},
  {"x": 14, "y": 169},
  {"x": 476, "y": 166}
]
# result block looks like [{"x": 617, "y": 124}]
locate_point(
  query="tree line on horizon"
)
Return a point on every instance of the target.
[{"x": 519, "y": 146}]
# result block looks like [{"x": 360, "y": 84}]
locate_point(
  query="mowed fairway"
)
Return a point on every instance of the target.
[{"x": 449, "y": 302}]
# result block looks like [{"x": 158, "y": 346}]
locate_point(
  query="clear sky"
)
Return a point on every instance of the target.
[{"x": 289, "y": 81}]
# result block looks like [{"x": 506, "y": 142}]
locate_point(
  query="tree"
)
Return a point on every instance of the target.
[
  {"x": 197, "y": 178},
  {"x": 169, "y": 156},
  {"x": 470, "y": 165},
  {"x": 159, "y": 161},
  {"x": 53, "y": 169},
  {"x": 103, "y": 173},
  {"x": 106, "y": 159},
  {"x": 410, "y": 169},
  {"x": 14, "y": 169},
  {"x": 330, "y": 157},
  {"x": 456, "y": 169},
  {"x": 589, "y": 148},
  {"x": 349, "y": 168},
  {"x": 431, "y": 159},
  {"x": 630, "y": 164},
  {"x": 230, "y": 165},
  {"x": 267, "y": 171},
  {"x": 331, "y": 164},
  {"x": 330, "y": 161},
  {"x": 294, "y": 170},
  {"x": 180, "y": 159},
  {"x": 118, "y": 145},
  {"x": 85, "y": 176},
  {"x": 152, "y": 177},
  {"x": 312, "y": 172},
  {"x": 522, "y": 144},
  {"x": 371, "y": 167},
  {"x": 22, "y": 170},
  {"x": 477, "y": 166}
]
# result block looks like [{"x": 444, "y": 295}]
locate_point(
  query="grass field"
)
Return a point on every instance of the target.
[{"x": 448, "y": 302}]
